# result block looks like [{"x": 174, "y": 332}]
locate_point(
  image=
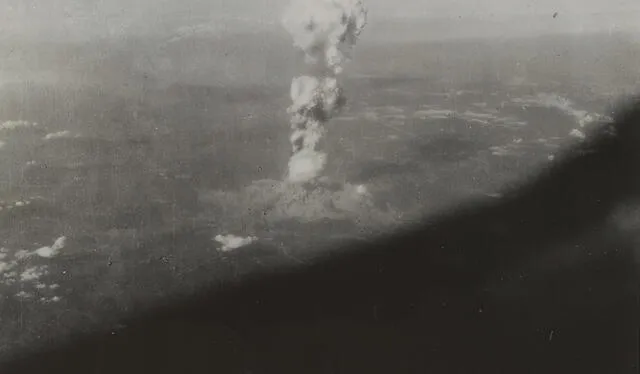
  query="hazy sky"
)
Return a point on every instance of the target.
[{"x": 65, "y": 18}]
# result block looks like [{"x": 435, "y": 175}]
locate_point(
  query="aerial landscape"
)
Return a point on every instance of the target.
[{"x": 139, "y": 167}]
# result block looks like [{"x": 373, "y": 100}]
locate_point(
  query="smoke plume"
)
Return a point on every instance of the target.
[{"x": 326, "y": 31}]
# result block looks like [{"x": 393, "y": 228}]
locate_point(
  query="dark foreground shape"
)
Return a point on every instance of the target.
[{"x": 419, "y": 301}]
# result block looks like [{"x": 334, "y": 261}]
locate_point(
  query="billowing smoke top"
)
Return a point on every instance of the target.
[{"x": 325, "y": 30}]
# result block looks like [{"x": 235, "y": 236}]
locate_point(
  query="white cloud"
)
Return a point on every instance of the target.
[
  {"x": 59, "y": 135},
  {"x": 30, "y": 275},
  {"x": 7, "y": 266},
  {"x": 22, "y": 254},
  {"x": 577, "y": 134},
  {"x": 33, "y": 273},
  {"x": 12, "y": 125},
  {"x": 53, "y": 250},
  {"x": 231, "y": 242},
  {"x": 24, "y": 295}
]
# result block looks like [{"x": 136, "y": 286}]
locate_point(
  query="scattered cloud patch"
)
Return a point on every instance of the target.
[
  {"x": 484, "y": 118},
  {"x": 24, "y": 295},
  {"x": 22, "y": 254},
  {"x": 577, "y": 134},
  {"x": 66, "y": 134},
  {"x": 13, "y": 125},
  {"x": 22, "y": 267},
  {"x": 519, "y": 147},
  {"x": 6, "y": 267},
  {"x": 15, "y": 204},
  {"x": 505, "y": 150},
  {"x": 53, "y": 299},
  {"x": 33, "y": 273},
  {"x": 551, "y": 100},
  {"x": 231, "y": 242},
  {"x": 9, "y": 126}
]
